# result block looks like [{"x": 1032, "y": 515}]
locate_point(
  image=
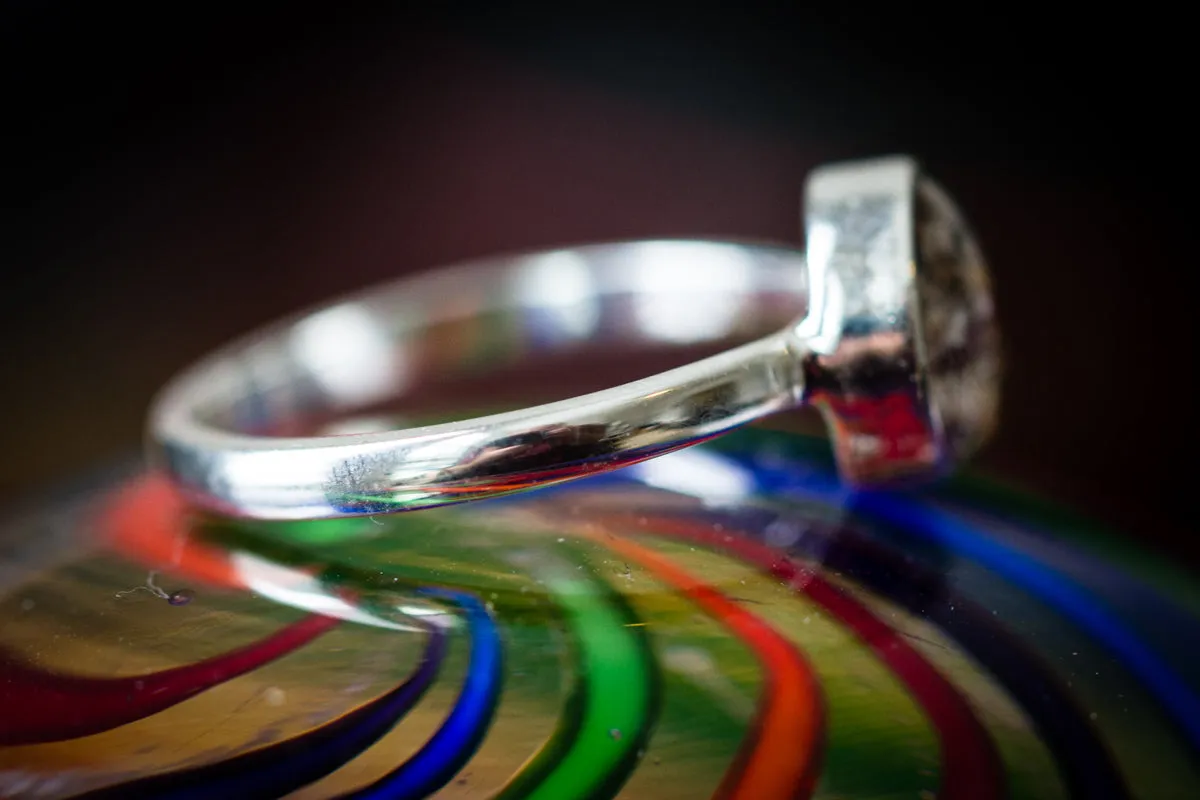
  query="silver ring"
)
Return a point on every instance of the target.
[{"x": 885, "y": 323}]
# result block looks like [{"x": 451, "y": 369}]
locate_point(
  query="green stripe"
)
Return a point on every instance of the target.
[{"x": 620, "y": 705}]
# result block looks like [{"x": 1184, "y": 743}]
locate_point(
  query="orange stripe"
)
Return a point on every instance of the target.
[
  {"x": 971, "y": 766},
  {"x": 148, "y": 520},
  {"x": 780, "y": 756}
]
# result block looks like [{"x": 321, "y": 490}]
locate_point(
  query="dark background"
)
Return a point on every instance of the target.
[{"x": 178, "y": 176}]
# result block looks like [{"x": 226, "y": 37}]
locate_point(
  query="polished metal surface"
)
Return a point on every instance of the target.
[
  {"x": 903, "y": 349},
  {"x": 861, "y": 351}
]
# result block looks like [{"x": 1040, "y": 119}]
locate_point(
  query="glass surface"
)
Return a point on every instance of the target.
[{"x": 725, "y": 621}]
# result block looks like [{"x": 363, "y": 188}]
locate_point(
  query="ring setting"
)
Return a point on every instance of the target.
[{"x": 895, "y": 343}]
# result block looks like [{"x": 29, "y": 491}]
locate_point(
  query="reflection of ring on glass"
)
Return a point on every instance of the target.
[{"x": 887, "y": 329}]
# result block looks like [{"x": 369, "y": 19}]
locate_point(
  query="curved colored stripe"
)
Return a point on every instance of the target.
[
  {"x": 592, "y": 756},
  {"x": 1084, "y": 761},
  {"x": 150, "y": 517},
  {"x": 1060, "y": 589},
  {"x": 1165, "y": 627},
  {"x": 44, "y": 706},
  {"x": 431, "y": 767},
  {"x": 1173, "y": 584},
  {"x": 1103, "y": 565},
  {"x": 277, "y": 769},
  {"x": 555, "y": 749},
  {"x": 1174, "y": 696},
  {"x": 149, "y": 520},
  {"x": 971, "y": 767},
  {"x": 780, "y": 756},
  {"x": 1087, "y": 767},
  {"x": 1141, "y": 600}
]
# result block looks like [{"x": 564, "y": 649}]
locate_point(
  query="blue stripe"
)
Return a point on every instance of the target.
[
  {"x": 920, "y": 521},
  {"x": 460, "y": 735},
  {"x": 1172, "y": 693}
]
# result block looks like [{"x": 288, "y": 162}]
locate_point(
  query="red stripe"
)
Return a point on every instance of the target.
[
  {"x": 971, "y": 766},
  {"x": 43, "y": 706},
  {"x": 781, "y": 754}
]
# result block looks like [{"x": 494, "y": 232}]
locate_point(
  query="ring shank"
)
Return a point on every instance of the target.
[{"x": 215, "y": 428}]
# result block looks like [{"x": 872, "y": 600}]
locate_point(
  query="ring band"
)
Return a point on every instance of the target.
[{"x": 884, "y": 323}]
